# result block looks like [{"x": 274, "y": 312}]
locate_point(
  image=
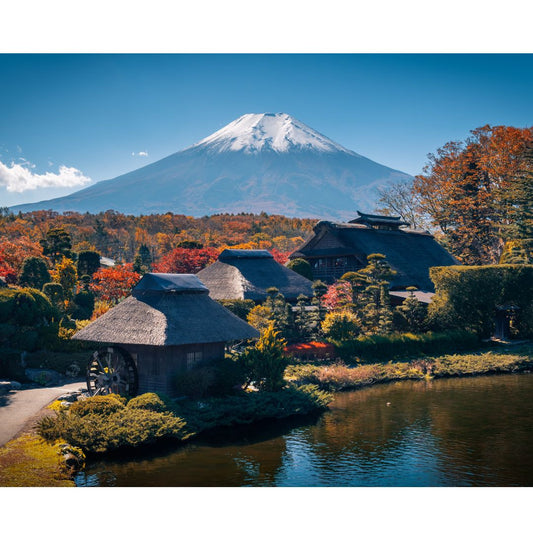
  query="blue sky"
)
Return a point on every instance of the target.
[{"x": 90, "y": 113}]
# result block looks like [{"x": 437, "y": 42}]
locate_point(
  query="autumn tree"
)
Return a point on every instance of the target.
[
  {"x": 66, "y": 275},
  {"x": 186, "y": 260},
  {"x": 113, "y": 284},
  {"x": 13, "y": 251},
  {"x": 473, "y": 191}
]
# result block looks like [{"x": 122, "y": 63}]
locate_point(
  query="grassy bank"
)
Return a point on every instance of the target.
[
  {"x": 30, "y": 462},
  {"x": 338, "y": 377},
  {"x": 108, "y": 423}
]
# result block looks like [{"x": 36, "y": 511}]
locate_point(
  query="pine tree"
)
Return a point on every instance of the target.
[{"x": 34, "y": 273}]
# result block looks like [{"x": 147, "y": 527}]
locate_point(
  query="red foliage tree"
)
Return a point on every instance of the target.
[
  {"x": 280, "y": 257},
  {"x": 12, "y": 255},
  {"x": 113, "y": 284},
  {"x": 186, "y": 260},
  {"x": 339, "y": 295}
]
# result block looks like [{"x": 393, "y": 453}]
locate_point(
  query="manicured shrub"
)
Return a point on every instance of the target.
[
  {"x": 102, "y": 424},
  {"x": 302, "y": 267},
  {"x": 98, "y": 405},
  {"x": 84, "y": 305},
  {"x": 341, "y": 326},
  {"x": 149, "y": 402},
  {"x": 25, "y": 307},
  {"x": 241, "y": 308},
  {"x": 55, "y": 293},
  {"x": 34, "y": 273},
  {"x": 252, "y": 407},
  {"x": 98, "y": 433}
]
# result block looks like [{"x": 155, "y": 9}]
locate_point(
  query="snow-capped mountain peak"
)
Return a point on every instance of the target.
[{"x": 279, "y": 132}]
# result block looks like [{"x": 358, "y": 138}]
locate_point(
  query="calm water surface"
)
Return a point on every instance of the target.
[{"x": 453, "y": 432}]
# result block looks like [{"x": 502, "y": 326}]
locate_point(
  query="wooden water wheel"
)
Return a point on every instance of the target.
[{"x": 112, "y": 370}]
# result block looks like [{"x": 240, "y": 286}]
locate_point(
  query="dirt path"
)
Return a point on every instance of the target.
[{"x": 20, "y": 409}]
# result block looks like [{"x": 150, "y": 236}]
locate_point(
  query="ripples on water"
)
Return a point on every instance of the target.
[{"x": 455, "y": 432}]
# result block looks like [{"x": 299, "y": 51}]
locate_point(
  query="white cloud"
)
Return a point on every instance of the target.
[
  {"x": 20, "y": 178},
  {"x": 142, "y": 154}
]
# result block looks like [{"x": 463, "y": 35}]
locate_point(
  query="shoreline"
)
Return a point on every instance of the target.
[
  {"x": 333, "y": 378},
  {"x": 339, "y": 377}
]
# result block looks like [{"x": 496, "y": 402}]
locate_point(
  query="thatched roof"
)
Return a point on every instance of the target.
[
  {"x": 167, "y": 310},
  {"x": 411, "y": 253},
  {"x": 247, "y": 274}
]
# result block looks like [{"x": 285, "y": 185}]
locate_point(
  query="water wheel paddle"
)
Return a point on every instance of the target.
[{"x": 112, "y": 370}]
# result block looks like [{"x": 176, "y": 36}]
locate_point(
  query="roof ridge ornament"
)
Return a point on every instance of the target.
[{"x": 379, "y": 221}]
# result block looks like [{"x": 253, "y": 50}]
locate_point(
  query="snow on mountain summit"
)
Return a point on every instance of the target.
[
  {"x": 266, "y": 162},
  {"x": 279, "y": 132}
]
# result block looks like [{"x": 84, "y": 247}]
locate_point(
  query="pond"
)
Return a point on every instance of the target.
[{"x": 449, "y": 432}]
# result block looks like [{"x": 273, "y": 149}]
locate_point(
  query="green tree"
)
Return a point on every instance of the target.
[
  {"x": 317, "y": 313},
  {"x": 372, "y": 303},
  {"x": 88, "y": 263},
  {"x": 57, "y": 244},
  {"x": 302, "y": 267},
  {"x": 282, "y": 314},
  {"x": 34, "y": 273},
  {"x": 411, "y": 315},
  {"x": 266, "y": 362}
]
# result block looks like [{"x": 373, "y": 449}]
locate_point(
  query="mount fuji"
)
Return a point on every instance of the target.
[{"x": 259, "y": 162}]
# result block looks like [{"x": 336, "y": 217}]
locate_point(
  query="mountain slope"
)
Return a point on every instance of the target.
[{"x": 259, "y": 162}]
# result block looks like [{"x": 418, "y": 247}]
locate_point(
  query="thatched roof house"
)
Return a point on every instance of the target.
[
  {"x": 167, "y": 325},
  {"x": 337, "y": 248},
  {"x": 247, "y": 274}
]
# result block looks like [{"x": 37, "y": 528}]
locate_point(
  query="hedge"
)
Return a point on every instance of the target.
[
  {"x": 241, "y": 308},
  {"x": 466, "y": 297},
  {"x": 383, "y": 348}
]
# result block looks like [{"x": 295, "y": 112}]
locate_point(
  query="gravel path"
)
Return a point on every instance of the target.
[{"x": 20, "y": 409}]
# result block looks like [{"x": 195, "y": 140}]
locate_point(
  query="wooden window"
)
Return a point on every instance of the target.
[{"x": 193, "y": 358}]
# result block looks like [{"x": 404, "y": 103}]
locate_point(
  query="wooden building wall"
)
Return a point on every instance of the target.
[{"x": 157, "y": 366}]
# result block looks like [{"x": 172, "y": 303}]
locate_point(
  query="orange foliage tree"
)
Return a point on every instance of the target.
[
  {"x": 186, "y": 260},
  {"x": 113, "y": 284},
  {"x": 469, "y": 190},
  {"x": 12, "y": 255}
]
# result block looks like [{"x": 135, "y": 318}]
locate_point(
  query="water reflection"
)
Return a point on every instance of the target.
[{"x": 457, "y": 432}]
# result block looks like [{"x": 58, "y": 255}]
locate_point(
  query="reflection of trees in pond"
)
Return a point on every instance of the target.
[
  {"x": 444, "y": 432},
  {"x": 374, "y": 437},
  {"x": 485, "y": 428},
  {"x": 471, "y": 431}
]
